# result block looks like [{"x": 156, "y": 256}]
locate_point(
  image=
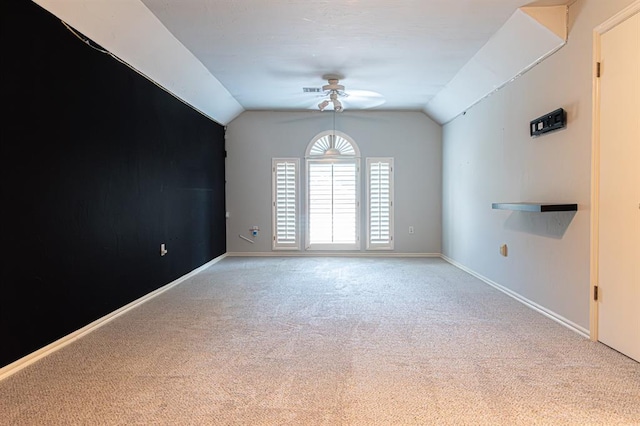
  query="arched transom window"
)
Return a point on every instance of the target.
[{"x": 332, "y": 144}]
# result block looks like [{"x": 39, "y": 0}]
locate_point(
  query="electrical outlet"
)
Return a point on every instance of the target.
[
  {"x": 503, "y": 250},
  {"x": 411, "y": 230}
]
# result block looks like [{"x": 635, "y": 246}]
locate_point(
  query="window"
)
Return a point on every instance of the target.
[
  {"x": 332, "y": 209},
  {"x": 285, "y": 203},
  {"x": 333, "y": 196},
  {"x": 379, "y": 203}
]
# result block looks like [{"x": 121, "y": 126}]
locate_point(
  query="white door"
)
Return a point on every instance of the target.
[{"x": 619, "y": 199}]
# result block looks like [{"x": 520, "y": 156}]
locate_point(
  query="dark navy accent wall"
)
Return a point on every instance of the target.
[{"x": 99, "y": 166}]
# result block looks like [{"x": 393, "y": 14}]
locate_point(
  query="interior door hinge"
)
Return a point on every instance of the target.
[
  {"x": 598, "y": 69},
  {"x": 595, "y": 293}
]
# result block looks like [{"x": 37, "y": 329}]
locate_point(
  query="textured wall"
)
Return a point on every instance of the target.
[
  {"x": 413, "y": 139},
  {"x": 99, "y": 167},
  {"x": 488, "y": 156}
]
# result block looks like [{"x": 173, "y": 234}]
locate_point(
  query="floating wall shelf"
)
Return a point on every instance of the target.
[{"x": 535, "y": 207}]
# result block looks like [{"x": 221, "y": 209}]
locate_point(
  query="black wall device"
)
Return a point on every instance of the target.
[{"x": 549, "y": 122}]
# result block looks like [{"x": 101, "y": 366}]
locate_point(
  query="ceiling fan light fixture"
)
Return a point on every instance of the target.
[
  {"x": 322, "y": 105},
  {"x": 334, "y": 91}
]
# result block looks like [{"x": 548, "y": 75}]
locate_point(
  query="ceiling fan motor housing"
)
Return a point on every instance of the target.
[{"x": 333, "y": 86}]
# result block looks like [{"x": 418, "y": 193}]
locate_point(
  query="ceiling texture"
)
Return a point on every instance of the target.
[{"x": 227, "y": 56}]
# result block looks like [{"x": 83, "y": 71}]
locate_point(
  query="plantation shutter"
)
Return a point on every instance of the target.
[
  {"x": 285, "y": 204},
  {"x": 333, "y": 204},
  {"x": 380, "y": 203}
]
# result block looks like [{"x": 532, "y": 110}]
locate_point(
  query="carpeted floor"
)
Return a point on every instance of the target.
[{"x": 328, "y": 341}]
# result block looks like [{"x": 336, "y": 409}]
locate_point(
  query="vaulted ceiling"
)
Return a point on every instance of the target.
[{"x": 226, "y": 56}]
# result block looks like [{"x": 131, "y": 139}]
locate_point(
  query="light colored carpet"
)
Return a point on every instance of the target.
[{"x": 328, "y": 341}]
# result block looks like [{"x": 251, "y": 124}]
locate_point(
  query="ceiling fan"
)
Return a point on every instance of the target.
[{"x": 336, "y": 97}]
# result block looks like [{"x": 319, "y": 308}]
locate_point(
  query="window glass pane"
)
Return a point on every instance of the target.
[{"x": 332, "y": 203}]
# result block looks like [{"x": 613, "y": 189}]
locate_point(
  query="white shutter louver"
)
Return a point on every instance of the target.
[
  {"x": 332, "y": 203},
  {"x": 322, "y": 145},
  {"x": 285, "y": 201},
  {"x": 380, "y": 203}
]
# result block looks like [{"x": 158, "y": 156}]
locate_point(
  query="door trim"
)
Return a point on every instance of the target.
[{"x": 598, "y": 31}]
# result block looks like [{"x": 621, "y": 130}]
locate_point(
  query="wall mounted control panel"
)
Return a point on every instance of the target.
[{"x": 549, "y": 122}]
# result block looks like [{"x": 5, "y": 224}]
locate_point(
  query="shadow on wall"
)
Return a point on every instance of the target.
[
  {"x": 548, "y": 224},
  {"x": 576, "y": 7}
]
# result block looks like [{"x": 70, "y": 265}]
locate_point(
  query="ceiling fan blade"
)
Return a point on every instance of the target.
[
  {"x": 363, "y": 93},
  {"x": 362, "y": 99}
]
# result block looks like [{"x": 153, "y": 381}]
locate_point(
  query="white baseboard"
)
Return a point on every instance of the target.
[
  {"x": 328, "y": 254},
  {"x": 540, "y": 309},
  {"x": 27, "y": 360}
]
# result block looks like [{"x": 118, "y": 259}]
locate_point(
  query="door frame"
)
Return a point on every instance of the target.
[{"x": 601, "y": 29}]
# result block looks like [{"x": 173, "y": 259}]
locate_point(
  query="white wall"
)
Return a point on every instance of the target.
[
  {"x": 412, "y": 138},
  {"x": 488, "y": 156}
]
